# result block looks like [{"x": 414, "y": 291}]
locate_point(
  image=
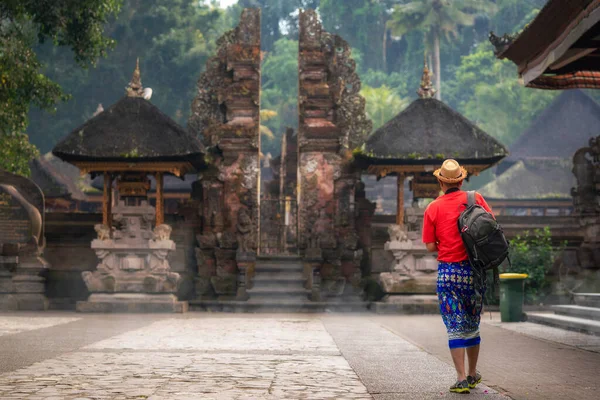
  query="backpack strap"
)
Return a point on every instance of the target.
[{"x": 470, "y": 198}]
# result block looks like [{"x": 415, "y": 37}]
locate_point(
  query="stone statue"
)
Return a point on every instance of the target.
[
  {"x": 162, "y": 232},
  {"x": 102, "y": 231},
  {"x": 244, "y": 230},
  {"x": 584, "y": 170},
  {"x": 397, "y": 233}
]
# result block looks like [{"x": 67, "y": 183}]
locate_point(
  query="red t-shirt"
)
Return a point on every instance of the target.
[{"x": 440, "y": 225}]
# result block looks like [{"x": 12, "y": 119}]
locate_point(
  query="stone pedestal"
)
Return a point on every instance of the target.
[
  {"x": 414, "y": 270},
  {"x": 408, "y": 304},
  {"x": 132, "y": 303},
  {"x": 246, "y": 262},
  {"x": 22, "y": 283},
  {"x": 134, "y": 274}
]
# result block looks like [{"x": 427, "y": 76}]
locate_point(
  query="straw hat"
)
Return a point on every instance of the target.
[{"x": 451, "y": 172}]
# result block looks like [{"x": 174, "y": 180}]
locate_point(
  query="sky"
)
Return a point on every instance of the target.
[{"x": 227, "y": 3}]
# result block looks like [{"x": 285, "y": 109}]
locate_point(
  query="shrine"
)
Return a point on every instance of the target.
[
  {"x": 413, "y": 144},
  {"x": 133, "y": 243}
]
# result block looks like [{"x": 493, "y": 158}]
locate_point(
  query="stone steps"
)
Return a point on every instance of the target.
[
  {"x": 587, "y": 299},
  {"x": 281, "y": 306},
  {"x": 592, "y": 313},
  {"x": 277, "y": 279},
  {"x": 278, "y": 293},
  {"x": 280, "y": 282},
  {"x": 278, "y": 268},
  {"x": 566, "y": 322},
  {"x": 279, "y": 276}
]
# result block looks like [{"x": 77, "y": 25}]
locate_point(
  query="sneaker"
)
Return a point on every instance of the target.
[
  {"x": 474, "y": 380},
  {"x": 460, "y": 387}
]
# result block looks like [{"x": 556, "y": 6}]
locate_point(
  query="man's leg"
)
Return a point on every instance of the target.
[
  {"x": 458, "y": 356},
  {"x": 472, "y": 356}
]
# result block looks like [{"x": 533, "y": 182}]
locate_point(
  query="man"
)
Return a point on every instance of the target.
[{"x": 459, "y": 294}]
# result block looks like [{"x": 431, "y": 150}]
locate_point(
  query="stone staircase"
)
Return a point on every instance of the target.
[
  {"x": 583, "y": 316},
  {"x": 279, "y": 288}
]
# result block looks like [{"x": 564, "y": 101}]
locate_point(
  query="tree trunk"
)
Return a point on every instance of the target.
[
  {"x": 384, "y": 48},
  {"x": 438, "y": 69}
]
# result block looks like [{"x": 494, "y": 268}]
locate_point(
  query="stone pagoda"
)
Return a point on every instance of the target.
[{"x": 125, "y": 144}]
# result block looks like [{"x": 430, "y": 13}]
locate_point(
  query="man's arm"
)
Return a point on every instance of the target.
[
  {"x": 429, "y": 237},
  {"x": 431, "y": 247},
  {"x": 481, "y": 201}
]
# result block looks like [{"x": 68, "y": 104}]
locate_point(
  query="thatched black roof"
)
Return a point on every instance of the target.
[
  {"x": 529, "y": 179},
  {"x": 57, "y": 178},
  {"x": 133, "y": 129},
  {"x": 561, "y": 129},
  {"x": 564, "y": 127},
  {"x": 428, "y": 130}
]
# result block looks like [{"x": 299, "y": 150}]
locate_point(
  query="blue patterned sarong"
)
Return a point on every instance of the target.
[{"x": 461, "y": 303}]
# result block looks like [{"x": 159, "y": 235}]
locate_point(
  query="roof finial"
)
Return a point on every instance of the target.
[
  {"x": 134, "y": 89},
  {"x": 426, "y": 91}
]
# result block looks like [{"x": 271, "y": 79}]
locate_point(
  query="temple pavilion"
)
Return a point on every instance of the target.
[
  {"x": 537, "y": 178},
  {"x": 559, "y": 49},
  {"x": 127, "y": 142},
  {"x": 418, "y": 139}
]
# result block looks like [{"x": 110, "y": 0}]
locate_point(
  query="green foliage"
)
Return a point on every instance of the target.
[
  {"x": 77, "y": 25},
  {"x": 487, "y": 92},
  {"x": 173, "y": 38},
  {"x": 362, "y": 24},
  {"x": 280, "y": 91},
  {"x": 382, "y": 104},
  {"x": 437, "y": 19},
  {"x": 395, "y": 81},
  {"x": 278, "y": 18},
  {"x": 532, "y": 253},
  {"x": 16, "y": 152}
]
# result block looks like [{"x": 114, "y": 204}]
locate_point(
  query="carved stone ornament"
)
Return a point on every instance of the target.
[
  {"x": 135, "y": 259},
  {"x": 103, "y": 231},
  {"x": 426, "y": 90},
  {"x": 245, "y": 227}
]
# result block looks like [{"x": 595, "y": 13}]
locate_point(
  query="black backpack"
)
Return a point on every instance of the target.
[{"x": 483, "y": 238}]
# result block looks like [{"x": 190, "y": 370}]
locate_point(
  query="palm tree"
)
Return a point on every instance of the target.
[
  {"x": 437, "y": 18},
  {"x": 382, "y": 104}
]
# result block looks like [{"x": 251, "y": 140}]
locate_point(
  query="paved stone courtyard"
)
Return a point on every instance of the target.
[{"x": 254, "y": 356}]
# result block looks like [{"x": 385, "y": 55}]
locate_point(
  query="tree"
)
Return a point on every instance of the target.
[
  {"x": 437, "y": 18},
  {"x": 278, "y": 18},
  {"x": 173, "y": 38},
  {"x": 362, "y": 23},
  {"x": 487, "y": 92},
  {"x": 382, "y": 104},
  {"x": 78, "y": 25},
  {"x": 280, "y": 90},
  {"x": 16, "y": 152}
]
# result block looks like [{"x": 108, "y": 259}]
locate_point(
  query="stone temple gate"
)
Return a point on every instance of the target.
[{"x": 332, "y": 122}]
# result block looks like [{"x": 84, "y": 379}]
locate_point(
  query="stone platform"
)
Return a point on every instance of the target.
[
  {"x": 132, "y": 303},
  {"x": 408, "y": 304}
]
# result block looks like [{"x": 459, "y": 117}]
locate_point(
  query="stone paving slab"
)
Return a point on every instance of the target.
[
  {"x": 522, "y": 366},
  {"x": 570, "y": 338},
  {"x": 227, "y": 334},
  {"x": 188, "y": 358},
  {"x": 391, "y": 367},
  {"x": 130, "y": 375},
  {"x": 11, "y": 324}
]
